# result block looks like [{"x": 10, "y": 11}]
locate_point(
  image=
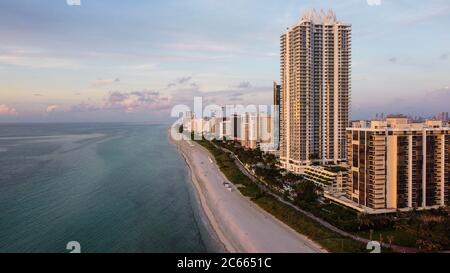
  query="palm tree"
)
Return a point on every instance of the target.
[{"x": 381, "y": 238}]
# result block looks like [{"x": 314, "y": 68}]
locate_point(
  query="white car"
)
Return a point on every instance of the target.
[{"x": 228, "y": 186}]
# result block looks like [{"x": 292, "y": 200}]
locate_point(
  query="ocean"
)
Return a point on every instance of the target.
[{"x": 110, "y": 187}]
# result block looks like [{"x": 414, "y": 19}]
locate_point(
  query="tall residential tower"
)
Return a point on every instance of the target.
[
  {"x": 276, "y": 114},
  {"x": 315, "y": 84},
  {"x": 395, "y": 164}
]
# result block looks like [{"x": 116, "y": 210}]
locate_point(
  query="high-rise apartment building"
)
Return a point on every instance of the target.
[
  {"x": 256, "y": 131},
  {"x": 395, "y": 164},
  {"x": 315, "y": 88},
  {"x": 276, "y": 114}
]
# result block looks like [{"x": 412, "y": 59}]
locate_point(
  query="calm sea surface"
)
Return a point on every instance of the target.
[{"x": 111, "y": 187}]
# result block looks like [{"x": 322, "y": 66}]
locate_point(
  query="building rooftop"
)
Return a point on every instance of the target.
[
  {"x": 399, "y": 123},
  {"x": 320, "y": 18}
]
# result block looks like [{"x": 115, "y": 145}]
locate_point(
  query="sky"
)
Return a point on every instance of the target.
[{"x": 115, "y": 60}]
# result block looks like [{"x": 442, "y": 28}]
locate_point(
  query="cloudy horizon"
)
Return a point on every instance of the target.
[{"x": 112, "y": 60}]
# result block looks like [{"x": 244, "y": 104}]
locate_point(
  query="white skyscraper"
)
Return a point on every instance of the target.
[{"x": 315, "y": 84}]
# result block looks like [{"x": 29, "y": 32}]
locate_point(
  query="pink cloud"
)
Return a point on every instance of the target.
[
  {"x": 102, "y": 82},
  {"x": 6, "y": 110},
  {"x": 132, "y": 101},
  {"x": 52, "y": 108}
]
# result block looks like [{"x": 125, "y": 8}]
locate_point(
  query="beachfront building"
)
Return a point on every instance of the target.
[
  {"x": 251, "y": 130},
  {"x": 215, "y": 128},
  {"x": 235, "y": 127},
  {"x": 188, "y": 122},
  {"x": 266, "y": 131},
  {"x": 361, "y": 124},
  {"x": 226, "y": 131},
  {"x": 395, "y": 164},
  {"x": 276, "y": 114},
  {"x": 198, "y": 126},
  {"x": 442, "y": 116},
  {"x": 315, "y": 91},
  {"x": 267, "y": 134},
  {"x": 257, "y": 131},
  {"x": 331, "y": 179}
]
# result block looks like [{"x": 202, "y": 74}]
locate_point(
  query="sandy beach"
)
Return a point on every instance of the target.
[{"x": 241, "y": 225}]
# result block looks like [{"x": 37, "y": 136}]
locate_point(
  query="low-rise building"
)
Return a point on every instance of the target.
[{"x": 326, "y": 178}]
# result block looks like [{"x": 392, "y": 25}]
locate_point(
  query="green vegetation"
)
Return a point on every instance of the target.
[
  {"x": 231, "y": 171},
  {"x": 264, "y": 165},
  {"x": 307, "y": 192},
  {"x": 429, "y": 231}
]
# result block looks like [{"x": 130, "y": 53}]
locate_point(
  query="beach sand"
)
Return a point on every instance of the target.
[{"x": 240, "y": 225}]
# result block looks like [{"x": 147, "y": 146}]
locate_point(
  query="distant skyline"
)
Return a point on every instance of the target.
[{"x": 112, "y": 60}]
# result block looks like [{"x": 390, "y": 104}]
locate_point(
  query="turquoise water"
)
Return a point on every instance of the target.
[{"x": 111, "y": 187}]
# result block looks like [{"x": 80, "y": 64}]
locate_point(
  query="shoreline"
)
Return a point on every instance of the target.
[
  {"x": 239, "y": 224},
  {"x": 227, "y": 247},
  {"x": 202, "y": 205}
]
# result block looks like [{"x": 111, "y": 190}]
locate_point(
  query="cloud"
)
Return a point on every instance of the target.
[
  {"x": 102, "y": 82},
  {"x": 183, "y": 80},
  {"x": 271, "y": 54},
  {"x": 393, "y": 60},
  {"x": 253, "y": 95},
  {"x": 85, "y": 107},
  {"x": 426, "y": 15},
  {"x": 183, "y": 90},
  {"x": 244, "y": 85},
  {"x": 204, "y": 46},
  {"x": 183, "y": 83},
  {"x": 33, "y": 58},
  {"x": 374, "y": 2},
  {"x": 118, "y": 101},
  {"x": 179, "y": 81},
  {"x": 139, "y": 67},
  {"x": 236, "y": 99},
  {"x": 78, "y": 108},
  {"x": 444, "y": 57},
  {"x": 150, "y": 104},
  {"x": 187, "y": 47},
  {"x": 52, "y": 108},
  {"x": 6, "y": 110},
  {"x": 136, "y": 100}
]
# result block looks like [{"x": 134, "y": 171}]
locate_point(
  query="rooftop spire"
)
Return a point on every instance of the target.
[{"x": 321, "y": 17}]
